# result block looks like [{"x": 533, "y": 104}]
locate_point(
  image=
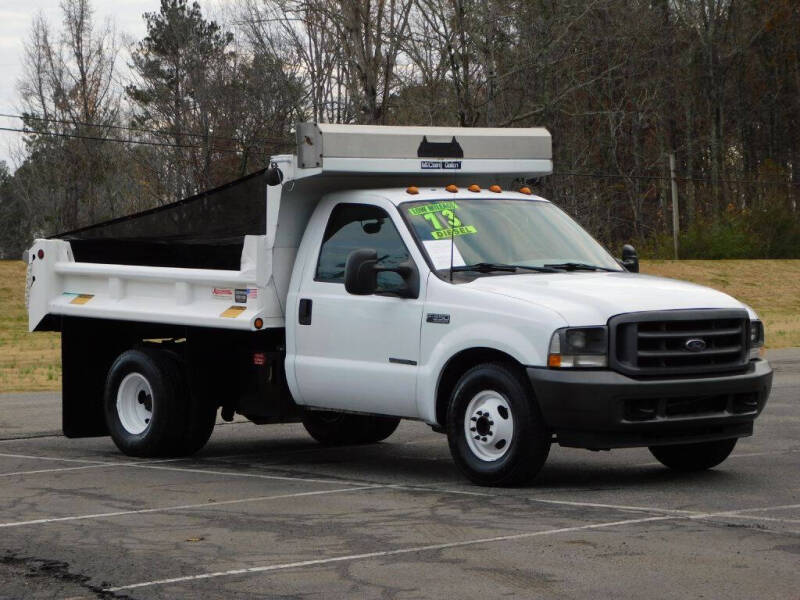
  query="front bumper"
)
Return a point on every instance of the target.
[{"x": 604, "y": 409}]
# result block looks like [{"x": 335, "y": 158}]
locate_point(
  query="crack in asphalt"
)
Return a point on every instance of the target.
[{"x": 47, "y": 571}]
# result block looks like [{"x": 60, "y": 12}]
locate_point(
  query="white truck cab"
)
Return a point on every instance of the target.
[{"x": 387, "y": 273}]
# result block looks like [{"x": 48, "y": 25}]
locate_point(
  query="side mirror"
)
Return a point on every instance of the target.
[
  {"x": 630, "y": 260},
  {"x": 361, "y": 274}
]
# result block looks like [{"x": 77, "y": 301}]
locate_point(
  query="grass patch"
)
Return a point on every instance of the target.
[
  {"x": 28, "y": 362},
  {"x": 32, "y": 362},
  {"x": 770, "y": 287}
]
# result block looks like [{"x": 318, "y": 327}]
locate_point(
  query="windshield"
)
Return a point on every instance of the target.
[{"x": 525, "y": 233}]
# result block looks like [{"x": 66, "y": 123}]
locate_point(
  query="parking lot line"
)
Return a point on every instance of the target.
[
  {"x": 744, "y": 511},
  {"x": 120, "y": 513},
  {"x": 690, "y": 514},
  {"x": 152, "y": 464},
  {"x": 31, "y": 436},
  {"x": 53, "y": 458},
  {"x": 762, "y": 518},
  {"x": 94, "y": 465},
  {"x": 385, "y": 553},
  {"x": 626, "y": 507},
  {"x": 671, "y": 511},
  {"x": 38, "y": 471},
  {"x": 254, "y": 475}
]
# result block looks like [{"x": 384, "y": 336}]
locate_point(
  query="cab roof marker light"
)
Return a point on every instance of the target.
[
  {"x": 474, "y": 188},
  {"x": 525, "y": 190},
  {"x": 412, "y": 189},
  {"x": 495, "y": 188},
  {"x": 452, "y": 188}
]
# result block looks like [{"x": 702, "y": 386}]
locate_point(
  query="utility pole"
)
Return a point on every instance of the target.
[{"x": 675, "y": 216}]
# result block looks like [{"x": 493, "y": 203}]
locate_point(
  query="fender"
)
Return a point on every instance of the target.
[{"x": 524, "y": 344}]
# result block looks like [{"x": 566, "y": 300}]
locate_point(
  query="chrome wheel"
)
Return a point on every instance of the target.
[
  {"x": 135, "y": 403},
  {"x": 488, "y": 425}
]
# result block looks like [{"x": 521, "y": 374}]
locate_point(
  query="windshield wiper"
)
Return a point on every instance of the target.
[
  {"x": 577, "y": 266},
  {"x": 485, "y": 267}
]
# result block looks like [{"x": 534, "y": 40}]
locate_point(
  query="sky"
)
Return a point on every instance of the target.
[{"x": 15, "y": 23}]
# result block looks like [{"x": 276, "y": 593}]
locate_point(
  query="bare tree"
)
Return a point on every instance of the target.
[{"x": 67, "y": 97}]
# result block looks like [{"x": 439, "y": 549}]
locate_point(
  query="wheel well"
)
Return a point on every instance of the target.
[{"x": 458, "y": 365}]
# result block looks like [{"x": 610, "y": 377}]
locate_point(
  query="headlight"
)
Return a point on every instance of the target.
[
  {"x": 756, "y": 338},
  {"x": 578, "y": 347}
]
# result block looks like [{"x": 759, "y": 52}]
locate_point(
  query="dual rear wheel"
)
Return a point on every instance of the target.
[{"x": 149, "y": 409}]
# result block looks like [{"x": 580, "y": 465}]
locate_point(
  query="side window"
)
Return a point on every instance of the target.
[{"x": 354, "y": 226}]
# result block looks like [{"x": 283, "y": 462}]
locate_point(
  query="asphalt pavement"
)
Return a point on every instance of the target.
[{"x": 263, "y": 511}]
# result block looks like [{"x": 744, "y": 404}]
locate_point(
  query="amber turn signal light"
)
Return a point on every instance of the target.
[{"x": 258, "y": 323}]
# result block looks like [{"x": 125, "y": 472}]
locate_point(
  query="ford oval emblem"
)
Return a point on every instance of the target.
[{"x": 695, "y": 345}]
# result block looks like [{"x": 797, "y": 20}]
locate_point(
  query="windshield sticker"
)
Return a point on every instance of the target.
[
  {"x": 442, "y": 234},
  {"x": 432, "y": 208},
  {"x": 439, "y": 251},
  {"x": 444, "y": 221}
]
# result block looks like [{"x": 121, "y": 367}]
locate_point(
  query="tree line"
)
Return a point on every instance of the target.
[{"x": 113, "y": 127}]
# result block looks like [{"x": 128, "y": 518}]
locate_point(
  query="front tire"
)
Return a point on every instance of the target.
[
  {"x": 496, "y": 433},
  {"x": 694, "y": 457},
  {"x": 148, "y": 408}
]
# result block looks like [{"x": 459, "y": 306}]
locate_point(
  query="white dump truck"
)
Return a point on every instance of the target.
[{"x": 387, "y": 273}]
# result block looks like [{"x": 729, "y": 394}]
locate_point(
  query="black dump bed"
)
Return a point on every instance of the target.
[{"x": 205, "y": 231}]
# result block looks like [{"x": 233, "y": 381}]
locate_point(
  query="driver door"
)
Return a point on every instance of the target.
[{"x": 357, "y": 353}]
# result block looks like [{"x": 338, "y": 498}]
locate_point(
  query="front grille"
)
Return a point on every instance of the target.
[{"x": 679, "y": 342}]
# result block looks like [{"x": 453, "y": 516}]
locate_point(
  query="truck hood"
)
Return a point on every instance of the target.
[{"x": 591, "y": 298}]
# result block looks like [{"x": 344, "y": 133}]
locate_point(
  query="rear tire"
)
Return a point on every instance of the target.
[
  {"x": 148, "y": 408},
  {"x": 496, "y": 433},
  {"x": 199, "y": 415},
  {"x": 336, "y": 429},
  {"x": 378, "y": 429},
  {"x": 694, "y": 457}
]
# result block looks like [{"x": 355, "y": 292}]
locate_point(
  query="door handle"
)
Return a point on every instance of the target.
[{"x": 304, "y": 311}]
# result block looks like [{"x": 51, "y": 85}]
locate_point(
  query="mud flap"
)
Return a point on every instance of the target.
[{"x": 84, "y": 363}]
